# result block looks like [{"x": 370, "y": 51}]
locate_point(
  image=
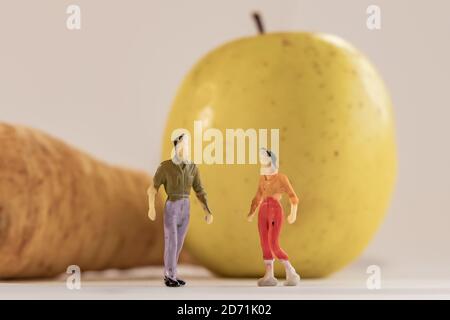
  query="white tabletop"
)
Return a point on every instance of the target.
[{"x": 146, "y": 283}]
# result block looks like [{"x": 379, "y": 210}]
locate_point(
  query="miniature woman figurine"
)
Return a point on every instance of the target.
[
  {"x": 270, "y": 218},
  {"x": 178, "y": 175}
]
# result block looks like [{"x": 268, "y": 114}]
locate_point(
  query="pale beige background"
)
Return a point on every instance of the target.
[{"x": 107, "y": 88}]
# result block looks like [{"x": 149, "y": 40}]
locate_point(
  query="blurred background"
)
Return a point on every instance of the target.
[{"x": 107, "y": 88}]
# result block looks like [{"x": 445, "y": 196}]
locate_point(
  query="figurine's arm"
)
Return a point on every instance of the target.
[
  {"x": 201, "y": 195},
  {"x": 292, "y": 198},
  {"x": 256, "y": 200},
  {"x": 152, "y": 190}
]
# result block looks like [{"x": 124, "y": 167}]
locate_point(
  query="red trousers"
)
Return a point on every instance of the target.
[{"x": 270, "y": 219}]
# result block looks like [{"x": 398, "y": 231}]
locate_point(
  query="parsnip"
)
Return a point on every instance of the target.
[{"x": 60, "y": 206}]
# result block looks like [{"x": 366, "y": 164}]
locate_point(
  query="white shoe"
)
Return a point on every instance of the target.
[
  {"x": 292, "y": 279},
  {"x": 267, "y": 281}
]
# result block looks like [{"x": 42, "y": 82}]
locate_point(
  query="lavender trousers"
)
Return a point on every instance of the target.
[{"x": 176, "y": 220}]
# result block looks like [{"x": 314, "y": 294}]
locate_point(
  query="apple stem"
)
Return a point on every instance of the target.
[{"x": 258, "y": 21}]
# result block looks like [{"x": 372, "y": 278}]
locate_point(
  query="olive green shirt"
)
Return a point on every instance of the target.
[{"x": 178, "y": 179}]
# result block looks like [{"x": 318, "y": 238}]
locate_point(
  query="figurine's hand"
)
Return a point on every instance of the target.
[
  {"x": 151, "y": 203},
  {"x": 293, "y": 215},
  {"x": 152, "y": 213},
  {"x": 291, "y": 218},
  {"x": 250, "y": 216},
  {"x": 209, "y": 218}
]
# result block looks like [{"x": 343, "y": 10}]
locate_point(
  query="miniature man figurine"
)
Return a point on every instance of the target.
[
  {"x": 270, "y": 218},
  {"x": 177, "y": 175}
]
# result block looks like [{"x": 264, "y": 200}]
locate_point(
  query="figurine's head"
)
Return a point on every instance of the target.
[
  {"x": 268, "y": 161},
  {"x": 181, "y": 148}
]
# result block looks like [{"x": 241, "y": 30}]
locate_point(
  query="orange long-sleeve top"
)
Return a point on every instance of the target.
[{"x": 273, "y": 186}]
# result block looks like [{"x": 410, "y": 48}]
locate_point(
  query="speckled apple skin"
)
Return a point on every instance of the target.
[{"x": 337, "y": 146}]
